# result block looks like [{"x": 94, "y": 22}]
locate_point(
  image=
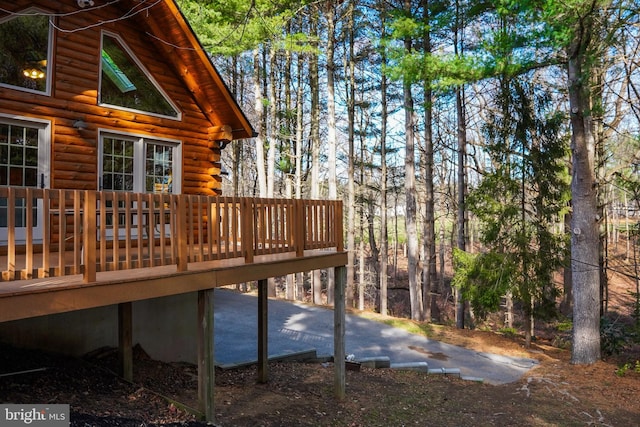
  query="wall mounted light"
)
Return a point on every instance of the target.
[{"x": 80, "y": 124}]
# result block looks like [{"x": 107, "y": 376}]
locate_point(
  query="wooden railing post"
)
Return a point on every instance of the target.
[
  {"x": 89, "y": 236},
  {"x": 46, "y": 233},
  {"x": 298, "y": 228},
  {"x": 11, "y": 233},
  {"x": 180, "y": 203},
  {"x": 338, "y": 230},
  {"x": 29, "y": 238},
  {"x": 247, "y": 214}
]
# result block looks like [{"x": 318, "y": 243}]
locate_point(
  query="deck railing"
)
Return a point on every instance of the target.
[{"x": 49, "y": 233}]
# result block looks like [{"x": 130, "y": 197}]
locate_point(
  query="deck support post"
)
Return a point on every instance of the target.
[
  {"x": 338, "y": 332},
  {"x": 263, "y": 335},
  {"x": 206, "y": 369},
  {"x": 125, "y": 339}
]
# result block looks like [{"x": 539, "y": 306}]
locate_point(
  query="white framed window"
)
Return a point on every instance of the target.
[
  {"x": 24, "y": 162},
  {"x": 139, "y": 164},
  {"x": 26, "y": 39}
]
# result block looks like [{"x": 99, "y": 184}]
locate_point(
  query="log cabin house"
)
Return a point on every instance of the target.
[{"x": 113, "y": 230}]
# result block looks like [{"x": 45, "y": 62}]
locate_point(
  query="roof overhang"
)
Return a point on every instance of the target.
[{"x": 171, "y": 33}]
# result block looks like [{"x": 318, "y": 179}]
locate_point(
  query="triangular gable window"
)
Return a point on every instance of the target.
[
  {"x": 124, "y": 82},
  {"x": 24, "y": 52}
]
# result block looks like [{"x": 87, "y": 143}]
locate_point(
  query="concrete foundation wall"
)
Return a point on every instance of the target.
[{"x": 166, "y": 328}]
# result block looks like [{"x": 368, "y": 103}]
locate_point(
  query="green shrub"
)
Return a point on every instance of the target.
[
  {"x": 613, "y": 336},
  {"x": 565, "y": 326},
  {"x": 622, "y": 370},
  {"x": 509, "y": 332}
]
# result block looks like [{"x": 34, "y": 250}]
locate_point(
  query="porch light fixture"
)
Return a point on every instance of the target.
[
  {"x": 80, "y": 124},
  {"x": 33, "y": 73}
]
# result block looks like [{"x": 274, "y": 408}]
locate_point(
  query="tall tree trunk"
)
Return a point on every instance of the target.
[
  {"x": 371, "y": 232},
  {"x": 314, "y": 83},
  {"x": 444, "y": 176},
  {"x": 236, "y": 164},
  {"x": 584, "y": 224},
  {"x": 289, "y": 151},
  {"x": 331, "y": 104},
  {"x": 601, "y": 158},
  {"x": 384, "y": 234},
  {"x": 415, "y": 293},
  {"x": 273, "y": 143},
  {"x": 361, "y": 218},
  {"x": 331, "y": 125},
  {"x": 461, "y": 235},
  {"x": 236, "y": 152},
  {"x": 462, "y": 147},
  {"x": 444, "y": 296},
  {"x": 396, "y": 236},
  {"x": 259, "y": 109},
  {"x": 351, "y": 187},
  {"x": 528, "y": 324},
  {"x": 627, "y": 227},
  {"x": 429, "y": 276},
  {"x": 566, "y": 306},
  {"x": 273, "y": 124},
  {"x": 298, "y": 156},
  {"x": 299, "y": 143},
  {"x": 362, "y": 280},
  {"x": 508, "y": 312}
]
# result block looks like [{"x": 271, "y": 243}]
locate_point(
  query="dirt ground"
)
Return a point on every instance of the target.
[{"x": 555, "y": 393}]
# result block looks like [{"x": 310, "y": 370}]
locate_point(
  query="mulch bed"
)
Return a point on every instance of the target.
[{"x": 96, "y": 394}]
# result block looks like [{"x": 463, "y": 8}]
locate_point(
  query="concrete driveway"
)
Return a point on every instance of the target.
[{"x": 296, "y": 327}]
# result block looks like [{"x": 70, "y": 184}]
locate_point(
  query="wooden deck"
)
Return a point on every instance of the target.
[{"x": 65, "y": 250}]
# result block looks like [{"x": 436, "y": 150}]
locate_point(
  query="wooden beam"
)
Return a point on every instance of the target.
[
  {"x": 206, "y": 370},
  {"x": 125, "y": 340},
  {"x": 220, "y": 133},
  {"x": 263, "y": 333},
  {"x": 338, "y": 332},
  {"x": 21, "y": 300}
]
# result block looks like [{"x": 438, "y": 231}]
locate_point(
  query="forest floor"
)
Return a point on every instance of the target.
[{"x": 556, "y": 393}]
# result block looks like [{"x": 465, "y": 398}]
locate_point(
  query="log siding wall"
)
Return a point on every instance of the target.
[{"x": 74, "y": 96}]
